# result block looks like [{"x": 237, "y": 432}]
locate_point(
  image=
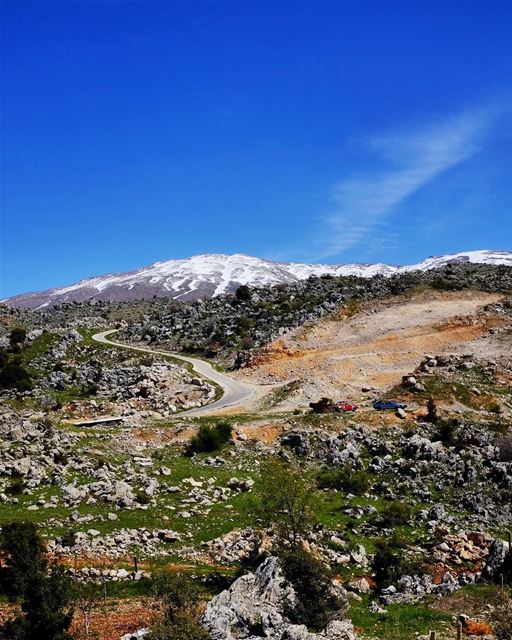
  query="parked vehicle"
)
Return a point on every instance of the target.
[
  {"x": 345, "y": 406},
  {"x": 326, "y": 405},
  {"x": 388, "y": 404}
]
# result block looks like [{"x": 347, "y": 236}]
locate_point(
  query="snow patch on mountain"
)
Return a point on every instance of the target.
[{"x": 208, "y": 275}]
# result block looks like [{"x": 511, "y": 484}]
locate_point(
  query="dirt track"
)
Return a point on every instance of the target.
[{"x": 375, "y": 347}]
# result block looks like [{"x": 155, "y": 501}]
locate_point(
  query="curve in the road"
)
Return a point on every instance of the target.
[{"x": 235, "y": 393}]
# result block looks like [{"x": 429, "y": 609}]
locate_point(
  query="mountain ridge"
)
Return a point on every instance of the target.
[{"x": 209, "y": 275}]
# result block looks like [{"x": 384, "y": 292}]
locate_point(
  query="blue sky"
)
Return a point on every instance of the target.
[{"x": 314, "y": 131}]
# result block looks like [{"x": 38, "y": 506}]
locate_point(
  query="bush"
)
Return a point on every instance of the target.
[
  {"x": 44, "y": 591},
  {"x": 210, "y": 439},
  {"x": 322, "y": 406},
  {"x": 446, "y": 431},
  {"x": 287, "y": 499},
  {"x": 243, "y": 293},
  {"x": 505, "y": 447},
  {"x": 343, "y": 479},
  {"x": 317, "y": 600},
  {"x": 142, "y": 498},
  {"x": 14, "y": 375},
  {"x": 246, "y": 343},
  {"x": 179, "y": 597},
  {"x": 396, "y": 513},
  {"x": 16, "y": 486},
  {"x": 17, "y": 336},
  {"x": 59, "y": 457},
  {"x": 390, "y": 561},
  {"x": 69, "y": 538}
]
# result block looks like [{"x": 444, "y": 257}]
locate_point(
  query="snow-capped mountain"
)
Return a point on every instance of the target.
[{"x": 209, "y": 275}]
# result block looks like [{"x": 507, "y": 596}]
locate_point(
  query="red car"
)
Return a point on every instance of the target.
[{"x": 345, "y": 406}]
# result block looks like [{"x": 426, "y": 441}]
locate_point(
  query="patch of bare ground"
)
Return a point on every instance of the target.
[
  {"x": 107, "y": 621},
  {"x": 115, "y": 619},
  {"x": 376, "y": 344},
  {"x": 263, "y": 432}
]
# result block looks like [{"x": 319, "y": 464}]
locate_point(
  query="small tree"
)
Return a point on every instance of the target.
[
  {"x": 178, "y": 597},
  {"x": 87, "y": 596},
  {"x": 45, "y": 607},
  {"x": 322, "y": 406},
  {"x": 286, "y": 499},
  {"x": 209, "y": 439},
  {"x": 44, "y": 590},
  {"x": 390, "y": 561},
  {"x": 21, "y": 543},
  {"x": 431, "y": 411},
  {"x": 318, "y": 602},
  {"x": 17, "y": 336},
  {"x": 243, "y": 293}
]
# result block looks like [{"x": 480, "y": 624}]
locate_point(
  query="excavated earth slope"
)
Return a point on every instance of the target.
[{"x": 374, "y": 345}]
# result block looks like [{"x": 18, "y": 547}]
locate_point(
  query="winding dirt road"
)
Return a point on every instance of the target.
[{"x": 235, "y": 393}]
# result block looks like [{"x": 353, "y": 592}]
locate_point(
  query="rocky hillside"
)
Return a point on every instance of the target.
[
  {"x": 408, "y": 511},
  {"x": 210, "y": 275},
  {"x": 231, "y": 327}
]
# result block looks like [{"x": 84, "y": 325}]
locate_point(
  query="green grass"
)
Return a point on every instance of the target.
[
  {"x": 38, "y": 347},
  {"x": 402, "y": 621}
]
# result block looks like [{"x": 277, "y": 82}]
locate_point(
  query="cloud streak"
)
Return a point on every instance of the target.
[{"x": 409, "y": 160}]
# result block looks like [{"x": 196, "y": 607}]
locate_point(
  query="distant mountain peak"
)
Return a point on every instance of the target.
[{"x": 211, "y": 274}]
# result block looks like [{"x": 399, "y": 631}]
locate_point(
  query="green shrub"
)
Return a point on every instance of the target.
[
  {"x": 17, "y": 336},
  {"x": 14, "y": 375},
  {"x": 16, "y": 486},
  {"x": 317, "y": 601},
  {"x": 395, "y": 513},
  {"x": 243, "y": 293},
  {"x": 210, "y": 439},
  {"x": 343, "y": 479},
  {"x": 390, "y": 561},
  {"x": 179, "y": 598},
  {"x": 142, "y": 498},
  {"x": 446, "y": 431},
  {"x": 69, "y": 538},
  {"x": 44, "y": 591}
]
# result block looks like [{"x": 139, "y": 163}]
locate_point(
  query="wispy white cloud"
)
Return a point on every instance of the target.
[{"x": 409, "y": 160}]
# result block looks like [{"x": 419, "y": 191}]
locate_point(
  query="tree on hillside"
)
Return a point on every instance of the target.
[
  {"x": 14, "y": 375},
  {"x": 43, "y": 589},
  {"x": 178, "y": 598},
  {"x": 312, "y": 582},
  {"x": 243, "y": 293},
  {"x": 287, "y": 499},
  {"x": 17, "y": 336}
]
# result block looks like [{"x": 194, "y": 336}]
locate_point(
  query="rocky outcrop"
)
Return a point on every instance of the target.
[
  {"x": 254, "y": 607},
  {"x": 498, "y": 555}
]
